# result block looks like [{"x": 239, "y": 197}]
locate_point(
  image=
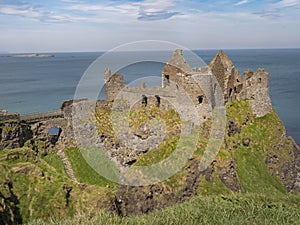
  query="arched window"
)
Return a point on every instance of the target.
[
  {"x": 230, "y": 92},
  {"x": 144, "y": 100},
  {"x": 200, "y": 99},
  {"x": 157, "y": 100},
  {"x": 167, "y": 79}
]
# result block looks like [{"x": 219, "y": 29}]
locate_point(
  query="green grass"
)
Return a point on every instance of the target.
[
  {"x": 104, "y": 123},
  {"x": 143, "y": 116},
  {"x": 254, "y": 175},
  {"x": 38, "y": 184},
  {"x": 214, "y": 187},
  {"x": 55, "y": 161},
  {"x": 159, "y": 154},
  {"x": 136, "y": 119},
  {"x": 83, "y": 172},
  {"x": 35, "y": 182},
  {"x": 264, "y": 133},
  {"x": 228, "y": 209}
]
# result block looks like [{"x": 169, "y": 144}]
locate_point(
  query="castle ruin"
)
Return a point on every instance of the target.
[
  {"x": 177, "y": 74},
  {"x": 189, "y": 91}
]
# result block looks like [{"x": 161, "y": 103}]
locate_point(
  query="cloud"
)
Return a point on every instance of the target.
[
  {"x": 71, "y": 1},
  {"x": 156, "y": 16},
  {"x": 242, "y": 2},
  {"x": 155, "y": 5},
  {"x": 150, "y": 10},
  {"x": 121, "y": 8},
  {"x": 29, "y": 11},
  {"x": 25, "y": 11},
  {"x": 287, "y": 3},
  {"x": 271, "y": 13},
  {"x": 277, "y": 10},
  {"x": 147, "y": 10}
]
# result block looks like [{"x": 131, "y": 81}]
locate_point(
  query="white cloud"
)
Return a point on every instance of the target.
[
  {"x": 271, "y": 13},
  {"x": 72, "y": 1},
  {"x": 145, "y": 10},
  {"x": 276, "y": 10},
  {"x": 28, "y": 11},
  {"x": 21, "y": 11},
  {"x": 156, "y": 10},
  {"x": 111, "y": 13},
  {"x": 155, "y": 5},
  {"x": 242, "y": 2},
  {"x": 287, "y": 3},
  {"x": 122, "y": 21}
]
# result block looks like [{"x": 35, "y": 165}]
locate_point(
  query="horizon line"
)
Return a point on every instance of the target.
[{"x": 103, "y": 51}]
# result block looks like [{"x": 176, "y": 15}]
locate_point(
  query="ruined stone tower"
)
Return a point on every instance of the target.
[
  {"x": 200, "y": 84},
  {"x": 253, "y": 86},
  {"x": 113, "y": 84},
  {"x": 256, "y": 88},
  {"x": 178, "y": 74},
  {"x": 227, "y": 76}
]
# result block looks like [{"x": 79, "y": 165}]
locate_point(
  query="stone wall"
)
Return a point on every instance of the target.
[
  {"x": 179, "y": 100},
  {"x": 40, "y": 116},
  {"x": 177, "y": 74},
  {"x": 40, "y": 131},
  {"x": 257, "y": 91},
  {"x": 4, "y": 115}
]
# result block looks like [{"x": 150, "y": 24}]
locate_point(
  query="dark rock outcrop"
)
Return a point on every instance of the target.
[
  {"x": 9, "y": 211},
  {"x": 233, "y": 128},
  {"x": 288, "y": 171},
  {"x": 14, "y": 134},
  {"x": 131, "y": 200},
  {"x": 229, "y": 177},
  {"x": 246, "y": 141}
]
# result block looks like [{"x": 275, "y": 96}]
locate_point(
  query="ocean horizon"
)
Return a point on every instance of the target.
[{"x": 30, "y": 85}]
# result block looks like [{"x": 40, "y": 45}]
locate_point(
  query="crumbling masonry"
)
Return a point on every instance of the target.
[{"x": 178, "y": 75}]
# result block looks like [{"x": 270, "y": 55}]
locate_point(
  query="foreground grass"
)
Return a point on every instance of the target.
[{"x": 230, "y": 209}]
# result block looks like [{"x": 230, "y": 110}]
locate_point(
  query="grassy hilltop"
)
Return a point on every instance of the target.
[{"x": 249, "y": 182}]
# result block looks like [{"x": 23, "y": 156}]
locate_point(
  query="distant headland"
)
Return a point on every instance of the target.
[{"x": 33, "y": 55}]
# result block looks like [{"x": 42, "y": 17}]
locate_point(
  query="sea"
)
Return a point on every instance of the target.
[{"x": 29, "y": 85}]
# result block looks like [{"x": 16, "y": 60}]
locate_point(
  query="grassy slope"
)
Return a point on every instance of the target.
[
  {"x": 35, "y": 182},
  {"x": 83, "y": 172},
  {"x": 38, "y": 183},
  {"x": 265, "y": 201},
  {"x": 264, "y": 134}
]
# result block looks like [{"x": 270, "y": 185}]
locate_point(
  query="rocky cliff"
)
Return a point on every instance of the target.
[{"x": 255, "y": 157}]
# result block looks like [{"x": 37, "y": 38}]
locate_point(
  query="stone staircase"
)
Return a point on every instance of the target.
[{"x": 68, "y": 166}]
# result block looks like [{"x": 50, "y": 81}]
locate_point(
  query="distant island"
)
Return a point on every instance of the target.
[{"x": 34, "y": 55}]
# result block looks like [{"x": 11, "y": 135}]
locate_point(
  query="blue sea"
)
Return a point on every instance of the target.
[{"x": 40, "y": 84}]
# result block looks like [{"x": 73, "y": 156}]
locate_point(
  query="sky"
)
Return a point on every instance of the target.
[{"x": 96, "y": 25}]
